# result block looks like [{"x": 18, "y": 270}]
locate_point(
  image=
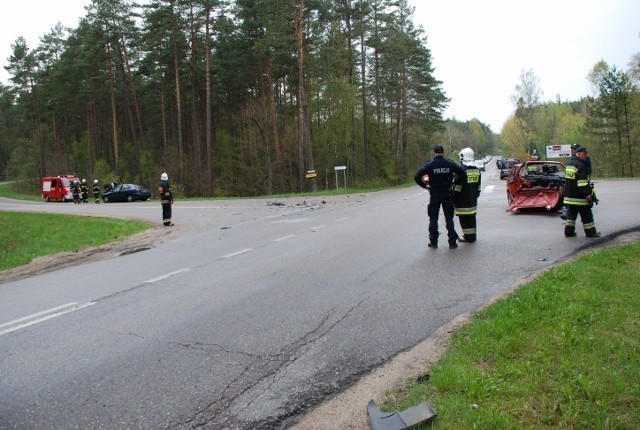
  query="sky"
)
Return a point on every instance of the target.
[{"x": 479, "y": 48}]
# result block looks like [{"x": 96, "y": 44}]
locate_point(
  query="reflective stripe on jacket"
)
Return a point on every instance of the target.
[{"x": 576, "y": 186}]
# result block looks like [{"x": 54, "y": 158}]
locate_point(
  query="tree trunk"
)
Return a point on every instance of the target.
[
  {"x": 114, "y": 120},
  {"x": 305, "y": 149}
]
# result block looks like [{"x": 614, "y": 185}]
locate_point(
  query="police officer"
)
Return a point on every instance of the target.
[
  {"x": 465, "y": 196},
  {"x": 84, "y": 189},
  {"x": 166, "y": 198},
  {"x": 96, "y": 191},
  {"x": 579, "y": 195},
  {"x": 440, "y": 172}
]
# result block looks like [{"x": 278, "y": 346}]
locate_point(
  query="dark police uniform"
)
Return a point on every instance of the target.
[
  {"x": 440, "y": 171},
  {"x": 465, "y": 200}
]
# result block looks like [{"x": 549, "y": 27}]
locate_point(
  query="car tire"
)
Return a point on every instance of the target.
[
  {"x": 129, "y": 199},
  {"x": 47, "y": 199},
  {"x": 105, "y": 199}
]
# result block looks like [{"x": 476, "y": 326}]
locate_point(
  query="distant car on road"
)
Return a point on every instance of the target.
[
  {"x": 126, "y": 193},
  {"x": 504, "y": 166},
  {"x": 480, "y": 165}
]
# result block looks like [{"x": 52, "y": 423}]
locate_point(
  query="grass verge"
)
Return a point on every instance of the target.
[
  {"x": 25, "y": 236},
  {"x": 6, "y": 190},
  {"x": 561, "y": 352}
]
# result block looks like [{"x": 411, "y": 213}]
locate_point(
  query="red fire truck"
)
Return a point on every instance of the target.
[{"x": 58, "y": 188}]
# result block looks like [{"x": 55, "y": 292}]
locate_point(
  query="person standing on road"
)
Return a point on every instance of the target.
[
  {"x": 465, "y": 196},
  {"x": 96, "y": 191},
  {"x": 166, "y": 198},
  {"x": 439, "y": 172},
  {"x": 84, "y": 189},
  {"x": 75, "y": 190},
  {"x": 587, "y": 162},
  {"x": 579, "y": 195}
]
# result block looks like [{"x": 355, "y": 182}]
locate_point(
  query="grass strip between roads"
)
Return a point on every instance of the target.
[
  {"x": 562, "y": 351},
  {"x": 25, "y": 236}
]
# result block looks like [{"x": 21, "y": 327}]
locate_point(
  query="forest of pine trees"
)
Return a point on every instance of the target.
[
  {"x": 246, "y": 97},
  {"x": 231, "y": 98}
]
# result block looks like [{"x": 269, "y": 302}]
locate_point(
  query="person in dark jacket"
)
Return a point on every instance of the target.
[
  {"x": 436, "y": 176},
  {"x": 465, "y": 196},
  {"x": 75, "y": 190},
  {"x": 587, "y": 163},
  {"x": 166, "y": 198},
  {"x": 84, "y": 190},
  {"x": 96, "y": 191},
  {"x": 578, "y": 195}
]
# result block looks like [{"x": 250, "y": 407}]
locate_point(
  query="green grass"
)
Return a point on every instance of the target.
[
  {"x": 6, "y": 190},
  {"x": 25, "y": 236},
  {"x": 561, "y": 352}
]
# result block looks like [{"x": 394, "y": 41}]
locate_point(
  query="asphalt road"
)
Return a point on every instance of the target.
[{"x": 252, "y": 311}]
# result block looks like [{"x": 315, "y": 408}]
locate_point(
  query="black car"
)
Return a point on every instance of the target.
[
  {"x": 504, "y": 166},
  {"x": 126, "y": 193}
]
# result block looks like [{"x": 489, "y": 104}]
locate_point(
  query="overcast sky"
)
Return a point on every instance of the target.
[{"x": 478, "y": 47}]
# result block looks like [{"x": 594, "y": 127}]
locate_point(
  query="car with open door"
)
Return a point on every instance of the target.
[{"x": 535, "y": 185}]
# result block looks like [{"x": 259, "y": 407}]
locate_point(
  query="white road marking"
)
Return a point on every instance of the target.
[
  {"x": 28, "y": 317},
  {"x": 489, "y": 189},
  {"x": 234, "y": 254},
  {"x": 280, "y": 239},
  {"x": 342, "y": 219},
  {"x": 160, "y": 278},
  {"x": 289, "y": 221},
  {"x": 45, "y": 318},
  {"x": 318, "y": 227}
]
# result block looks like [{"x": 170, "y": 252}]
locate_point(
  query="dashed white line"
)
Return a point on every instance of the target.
[
  {"x": 280, "y": 239},
  {"x": 234, "y": 254},
  {"x": 165, "y": 276},
  {"x": 45, "y": 318},
  {"x": 489, "y": 189}
]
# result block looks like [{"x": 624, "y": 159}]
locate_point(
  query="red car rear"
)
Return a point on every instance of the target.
[{"x": 535, "y": 185}]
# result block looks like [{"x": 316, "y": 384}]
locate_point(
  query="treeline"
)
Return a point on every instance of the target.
[
  {"x": 231, "y": 98},
  {"x": 607, "y": 123}
]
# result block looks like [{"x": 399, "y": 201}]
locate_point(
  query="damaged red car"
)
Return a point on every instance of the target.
[{"x": 535, "y": 185}]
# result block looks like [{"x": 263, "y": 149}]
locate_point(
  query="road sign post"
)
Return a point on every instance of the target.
[{"x": 344, "y": 173}]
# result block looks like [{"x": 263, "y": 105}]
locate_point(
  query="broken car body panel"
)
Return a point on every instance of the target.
[
  {"x": 407, "y": 419},
  {"x": 535, "y": 185}
]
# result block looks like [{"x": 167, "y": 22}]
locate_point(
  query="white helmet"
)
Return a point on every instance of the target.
[
  {"x": 467, "y": 157},
  {"x": 164, "y": 177},
  {"x": 95, "y": 181}
]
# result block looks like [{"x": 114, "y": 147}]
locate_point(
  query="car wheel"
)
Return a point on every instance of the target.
[
  {"x": 129, "y": 199},
  {"x": 105, "y": 199},
  {"x": 47, "y": 199}
]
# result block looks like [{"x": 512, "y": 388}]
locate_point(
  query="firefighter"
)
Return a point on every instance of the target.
[
  {"x": 587, "y": 162},
  {"x": 96, "y": 191},
  {"x": 579, "y": 195},
  {"x": 166, "y": 198},
  {"x": 465, "y": 196},
  {"x": 84, "y": 189},
  {"x": 75, "y": 190},
  {"x": 440, "y": 172}
]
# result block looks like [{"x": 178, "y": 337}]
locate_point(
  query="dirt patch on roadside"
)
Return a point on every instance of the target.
[{"x": 138, "y": 242}]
